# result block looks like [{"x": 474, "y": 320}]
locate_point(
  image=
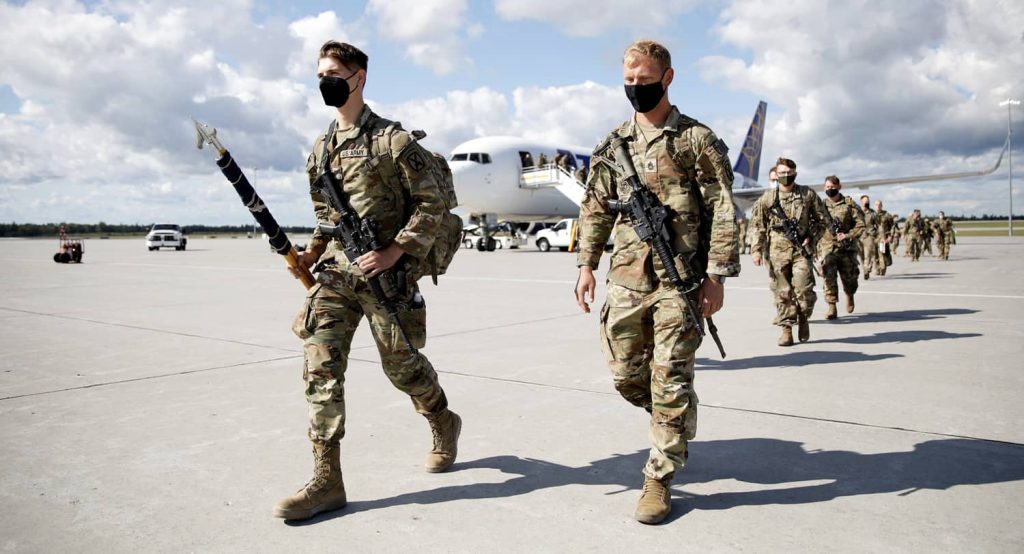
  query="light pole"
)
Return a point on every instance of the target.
[{"x": 1010, "y": 103}]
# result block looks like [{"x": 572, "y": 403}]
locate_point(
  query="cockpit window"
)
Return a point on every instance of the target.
[{"x": 477, "y": 157}]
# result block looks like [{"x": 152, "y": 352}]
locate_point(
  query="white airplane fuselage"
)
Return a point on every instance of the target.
[{"x": 494, "y": 185}]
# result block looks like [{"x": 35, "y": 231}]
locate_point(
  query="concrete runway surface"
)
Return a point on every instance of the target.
[{"x": 152, "y": 401}]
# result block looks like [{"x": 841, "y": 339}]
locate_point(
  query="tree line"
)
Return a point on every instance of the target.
[{"x": 28, "y": 230}]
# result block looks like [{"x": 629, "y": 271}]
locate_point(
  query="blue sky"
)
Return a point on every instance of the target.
[{"x": 861, "y": 89}]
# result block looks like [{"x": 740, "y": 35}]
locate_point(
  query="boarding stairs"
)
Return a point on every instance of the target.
[{"x": 551, "y": 176}]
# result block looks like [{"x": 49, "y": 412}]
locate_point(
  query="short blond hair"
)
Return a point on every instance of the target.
[{"x": 653, "y": 50}]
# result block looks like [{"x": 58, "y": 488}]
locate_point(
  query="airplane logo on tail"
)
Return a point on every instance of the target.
[{"x": 750, "y": 156}]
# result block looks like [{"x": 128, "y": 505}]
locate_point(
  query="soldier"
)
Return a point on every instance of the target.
[
  {"x": 927, "y": 234},
  {"x": 914, "y": 231},
  {"x": 400, "y": 193},
  {"x": 887, "y": 231},
  {"x": 542, "y": 160},
  {"x": 791, "y": 273},
  {"x": 741, "y": 227},
  {"x": 947, "y": 235},
  {"x": 773, "y": 179},
  {"x": 869, "y": 240},
  {"x": 581, "y": 174},
  {"x": 838, "y": 250},
  {"x": 647, "y": 334}
]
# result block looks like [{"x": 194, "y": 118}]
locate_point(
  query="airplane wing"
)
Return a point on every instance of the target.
[
  {"x": 867, "y": 183},
  {"x": 749, "y": 191}
]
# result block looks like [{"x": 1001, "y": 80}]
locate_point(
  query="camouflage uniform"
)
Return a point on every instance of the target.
[
  {"x": 927, "y": 233},
  {"x": 646, "y": 334},
  {"x": 402, "y": 197},
  {"x": 887, "y": 231},
  {"x": 944, "y": 228},
  {"x": 744, "y": 242},
  {"x": 839, "y": 258},
  {"x": 792, "y": 277},
  {"x": 914, "y": 231},
  {"x": 869, "y": 241}
]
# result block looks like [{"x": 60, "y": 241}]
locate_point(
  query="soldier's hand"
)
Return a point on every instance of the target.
[
  {"x": 756, "y": 258},
  {"x": 372, "y": 263},
  {"x": 710, "y": 297},
  {"x": 585, "y": 285},
  {"x": 306, "y": 260}
]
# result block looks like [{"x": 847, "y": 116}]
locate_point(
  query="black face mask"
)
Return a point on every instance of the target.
[
  {"x": 832, "y": 193},
  {"x": 335, "y": 90},
  {"x": 645, "y": 97}
]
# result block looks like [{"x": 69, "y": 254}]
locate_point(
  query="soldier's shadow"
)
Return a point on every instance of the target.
[
  {"x": 790, "y": 359},
  {"x": 902, "y": 315},
  {"x": 906, "y": 276},
  {"x": 900, "y": 336},
  {"x": 817, "y": 475}
]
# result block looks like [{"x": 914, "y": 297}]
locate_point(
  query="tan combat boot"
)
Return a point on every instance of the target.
[
  {"x": 655, "y": 500},
  {"x": 445, "y": 426},
  {"x": 849, "y": 303},
  {"x": 324, "y": 492},
  {"x": 787, "y": 336},
  {"x": 832, "y": 313}
]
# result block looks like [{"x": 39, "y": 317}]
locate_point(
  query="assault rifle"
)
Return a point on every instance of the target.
[
  {"x": 790, "y": 229},
  {"x": 650, "y": 219},
  {"x": 358, "y": 236},
  {"x": 834, "y": 228}
]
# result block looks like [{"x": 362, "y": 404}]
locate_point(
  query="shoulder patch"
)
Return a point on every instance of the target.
[
  {"x": 720, "y": 147},
  {"x": 414, "y": 157}
]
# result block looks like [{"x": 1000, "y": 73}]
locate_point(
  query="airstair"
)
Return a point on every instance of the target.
[{"x": 551, "y": 176}]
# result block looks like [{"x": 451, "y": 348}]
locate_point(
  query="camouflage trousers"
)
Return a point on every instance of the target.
[
  {"x": 792, "y": 283},
  {"x": 327, "y": 322},
  {"x": 944, "y": 249},
  {"x": 839, "y": 265},
  {"x": 914, "y": 248},
  {"x": 869, "y": 252},
  {"x": 928, "y": 247},
  {"x": 880, "y": 265},
  {"x": 650, "y": 341}
]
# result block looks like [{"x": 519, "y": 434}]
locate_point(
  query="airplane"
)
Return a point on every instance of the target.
[{"x": 493, "y": 179}]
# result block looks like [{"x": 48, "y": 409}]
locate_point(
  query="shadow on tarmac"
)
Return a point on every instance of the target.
[
  {"x": 907, "y": 276},
  {"x": 791, "y": 359},
  {"x": 900, "y": 336},
  {"x": 936, "y": 464},
  {"x": 903, "y": 315}
]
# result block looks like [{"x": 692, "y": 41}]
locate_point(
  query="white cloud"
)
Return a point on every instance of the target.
[
  {"x": 430, "y": 29},
  {"x": 911, "y": 89},
  {"x": 593, "y": 17}
]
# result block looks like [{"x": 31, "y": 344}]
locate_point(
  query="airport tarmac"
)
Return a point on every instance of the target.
[{"x": 152, "y": 401}]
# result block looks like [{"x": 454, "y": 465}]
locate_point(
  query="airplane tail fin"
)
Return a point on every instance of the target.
[{"x": 750, "y": 156}]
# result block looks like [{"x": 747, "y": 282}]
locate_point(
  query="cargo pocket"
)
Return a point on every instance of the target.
[
  {"x": 690, "y": 419},
  {"x": 414, "y": 323},
  {"x": 305, "y": 321}
]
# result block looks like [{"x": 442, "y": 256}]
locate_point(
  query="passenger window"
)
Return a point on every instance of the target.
[{"x": 560, "y": 226}]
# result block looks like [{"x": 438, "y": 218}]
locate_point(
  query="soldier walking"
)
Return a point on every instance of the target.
[
  {"x": 838, "y": 247},
  {"x": 914, "y": 229},
  {"x": 398, "y": 191},
  {"x": 647, "y": 334},
  {"x": 946, "y": 235},
  {"x": 790, "y": 267},
  {"x": 888, "y": 232},
  {"x": 869, "y": 239}
]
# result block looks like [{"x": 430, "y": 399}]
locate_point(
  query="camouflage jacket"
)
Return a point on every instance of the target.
[
  {"x": 394, "y": 186},
  {"x": 914, "y": 227},
  {"x": 945, "y": 228},
  {"x": 872, "y": 224},
  {"x": 802, "y": 204},
  {"x": 850, "y": 218},
  {"x": 886, "y": 224},
  {"x": 676, "y": 158}
]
